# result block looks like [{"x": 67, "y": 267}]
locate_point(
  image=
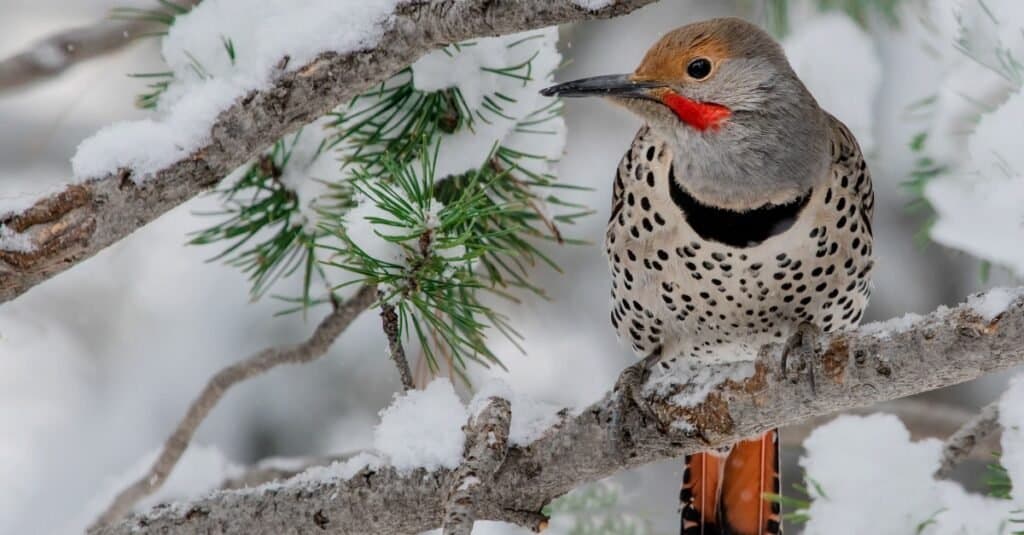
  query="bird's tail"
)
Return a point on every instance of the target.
[{"x": 723, "y": 492}]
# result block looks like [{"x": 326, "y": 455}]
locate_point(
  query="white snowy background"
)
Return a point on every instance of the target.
[{"x": 97, "y": 364}]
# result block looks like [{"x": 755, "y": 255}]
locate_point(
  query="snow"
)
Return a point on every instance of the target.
[
  {"x": 891, "y": 326},
  {"x": 147, "y": 145},
  {"x": 973, "y": 132},
  {"x": 463, "y": 68},
  {"x": 968, "y": 36},
  {"x": 980, "y": 206},
  {"x": 593, "y": 4},
  {"x": 423, "y": 428},
  {"x": 862, "y": 463},
  {"x": 207, "y": 80},
  {"x": 200, "y": 470},
  {"x": 14, "y": 241},
  {"x": 368, "y": 236},
  {"x": 850, "y": 458},
  {"x": 338, "y": 470},
  {"x": 700, "y": 380},
  {"x": 13, "y": 203},
  {"x": 530, "y": 417},
  {"x": 994, "y": 302},
  {"x": 844, "y": 79},
  {"x": 1011, "y": 419},
  {"x": 310, "y": 168}
]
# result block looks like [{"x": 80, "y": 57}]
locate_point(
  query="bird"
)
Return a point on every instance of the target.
[{"x": 740, "y": 216}]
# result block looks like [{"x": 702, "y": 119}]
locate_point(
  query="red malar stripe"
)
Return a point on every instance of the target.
[{"x": 699, "y": 115}]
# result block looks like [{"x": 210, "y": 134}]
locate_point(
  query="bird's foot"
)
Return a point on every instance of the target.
[
  {"x": 803, "y": 344},
  {"x": 629, "y": 393}
]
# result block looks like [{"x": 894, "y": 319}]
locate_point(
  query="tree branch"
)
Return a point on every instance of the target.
[
  {"x": 314, "y": 347},
  {"x": 857, "y": 369},
  {"x": 486, "y": 448},
  {"x": 962, "y": 443},
  {"x": 58, "y": 52},
  {"x": 389, "y": 321},
  {"x": 67, "y": 227}
]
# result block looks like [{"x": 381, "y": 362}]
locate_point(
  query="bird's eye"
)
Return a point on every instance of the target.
[{"x": 699, "y": 68}]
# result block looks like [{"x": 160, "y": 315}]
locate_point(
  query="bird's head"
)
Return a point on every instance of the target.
[{"x": 724, "y": 94}]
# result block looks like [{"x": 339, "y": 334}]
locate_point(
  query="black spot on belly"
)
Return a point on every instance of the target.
[{"x": 738, "y": 229}]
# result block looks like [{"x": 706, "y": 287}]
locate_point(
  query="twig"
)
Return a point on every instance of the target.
[
  {"x": 314, "y": 347},
  {"x": 858, "y": 368},
  {"x": 389, "y": 320},
  {"x": 962, "y": 443},
  {"x": 485, "y": 451},
  {"x": 70, "y": 226},
  {"x": 56, "y": 53}
]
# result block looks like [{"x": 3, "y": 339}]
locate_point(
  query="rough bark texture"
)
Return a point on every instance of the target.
[
  {"x": 855, "y": 369},
  {"x": 486, "y": 448},
  {"x": 68, "y": 227}
]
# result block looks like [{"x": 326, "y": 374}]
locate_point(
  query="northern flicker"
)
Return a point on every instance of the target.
[{"x": 741, "y": 215}]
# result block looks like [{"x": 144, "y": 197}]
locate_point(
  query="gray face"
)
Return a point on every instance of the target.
[{"x": 772, "y": 147}]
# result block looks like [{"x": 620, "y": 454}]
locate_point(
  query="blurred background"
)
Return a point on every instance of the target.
[{"x": 98, "y": 364}]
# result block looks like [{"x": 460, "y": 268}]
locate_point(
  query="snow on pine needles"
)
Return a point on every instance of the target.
[
  {"x": 216, "y": 53},
  {"x": 436, "y": 185},
  {"x": 971, "y": 169}
]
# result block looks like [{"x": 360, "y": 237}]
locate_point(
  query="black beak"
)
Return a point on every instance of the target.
[{"x": 613, "y": 85}]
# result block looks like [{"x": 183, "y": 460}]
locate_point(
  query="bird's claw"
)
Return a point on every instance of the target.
[
  {"x": 629, "y": 391},
  {"x": 803, "y": 343}
]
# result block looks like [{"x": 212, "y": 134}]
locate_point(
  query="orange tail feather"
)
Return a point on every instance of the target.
[
  {"x": 702, "y": 478},
  {"x": 723, "y": 493}
]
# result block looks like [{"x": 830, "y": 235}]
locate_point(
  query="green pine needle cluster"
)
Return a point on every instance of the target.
[
  {"x": 999, "y": 60},
  {"x": 438, "y": 233},
  {"x": 266, "y": 240},
  {"x": 440, "y": 244}
]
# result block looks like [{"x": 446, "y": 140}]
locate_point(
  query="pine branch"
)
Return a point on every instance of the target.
[
  {"x": 857, "y": 368},
  {"x": 67, "y": 227},
  {"x": 389, "y": 320},
  {"x": 486, "y": 448},
  {"x": 56, "y": 53},
  {"x": 313, "y": 348}
]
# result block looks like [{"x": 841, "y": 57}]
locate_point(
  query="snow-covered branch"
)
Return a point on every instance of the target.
[
  {"x": 56, "y": 232},
  {"x": 875, "y": 363}
]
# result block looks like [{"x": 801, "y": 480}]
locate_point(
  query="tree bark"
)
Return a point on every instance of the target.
[{"x": 854, "y": 369}]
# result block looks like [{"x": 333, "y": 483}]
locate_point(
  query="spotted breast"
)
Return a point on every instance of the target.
[{"x": 700, "y": 282}]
